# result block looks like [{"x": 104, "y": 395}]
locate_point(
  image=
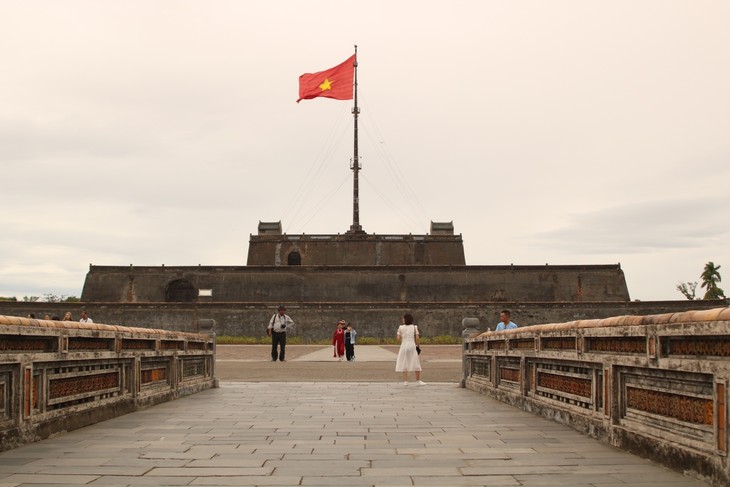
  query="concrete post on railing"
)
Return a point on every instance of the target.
[
  {"x": 206, "y": 325},
  {"x": 470, "y": 328}
]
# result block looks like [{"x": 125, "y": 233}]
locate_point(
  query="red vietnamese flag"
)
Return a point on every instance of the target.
[{"x": 332, "y": 83}]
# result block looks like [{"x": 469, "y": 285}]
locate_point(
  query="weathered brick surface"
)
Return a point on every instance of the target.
[
  {"x": 655, "y": 385},
  {"x": 61, "y": 375}
]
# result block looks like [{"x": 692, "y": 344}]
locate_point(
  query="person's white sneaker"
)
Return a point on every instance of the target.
[
  {"x": 421, "y": 383},
  {"x": 405, "y": 383}
]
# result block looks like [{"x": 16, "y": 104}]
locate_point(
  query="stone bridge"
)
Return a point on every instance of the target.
[
  {"x": 61, "y": 375},
  {"x": 653, "y": 385}
]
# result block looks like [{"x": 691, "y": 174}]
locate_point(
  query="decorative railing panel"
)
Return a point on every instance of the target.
[
  {"x": 6, "y": 384},
  {"x": 558, "y": 343},
  {"x": 628, "y": 345},
  {"x": 524, "y": 344},
  {"x": 31, "y": 344},
  {"x": 57, "y": 376},
  {"x": 565, "y": 383},
  {"x": 87, "y": 343},
  {"x": 655, "y": 385},
  {"x": 706, "y": 346},
  {"x": 481, "y": 369}
]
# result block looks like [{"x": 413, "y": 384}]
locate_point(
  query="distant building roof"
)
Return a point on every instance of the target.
[
  {"x": 442, "y": 228},
  {"x": 270, "y": 228}
]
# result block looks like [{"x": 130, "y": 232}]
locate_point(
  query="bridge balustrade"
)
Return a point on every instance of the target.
[
  {"x": 62, "y": 375},
  {"x": 655, "y": 385}
]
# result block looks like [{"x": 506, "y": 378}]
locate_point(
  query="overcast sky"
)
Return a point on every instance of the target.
[{"x": 560, "y": 132}]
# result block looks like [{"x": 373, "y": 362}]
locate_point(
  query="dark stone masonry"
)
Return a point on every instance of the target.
[{"x": 369, "y": 280}]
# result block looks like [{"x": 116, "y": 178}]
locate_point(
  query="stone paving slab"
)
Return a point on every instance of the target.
[
  {"x": 323, "y": 353},
  {"x": 314, "y": 363},
  {"x": 324, "y": 433},
  {"x": 370, "y": 353}
]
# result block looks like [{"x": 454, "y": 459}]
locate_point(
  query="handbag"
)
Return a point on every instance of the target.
[{"x": 418, "y": 350}]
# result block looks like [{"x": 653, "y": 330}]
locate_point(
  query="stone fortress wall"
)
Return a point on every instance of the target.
[
  {"x": 366, "y": 284},
  {"x": 369, "y": 280}
]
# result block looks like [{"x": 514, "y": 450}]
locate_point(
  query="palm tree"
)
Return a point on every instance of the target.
[{"x": 710, "y": 277}]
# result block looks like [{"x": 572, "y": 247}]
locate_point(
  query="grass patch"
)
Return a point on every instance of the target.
[{"x": 441, "y": 340}]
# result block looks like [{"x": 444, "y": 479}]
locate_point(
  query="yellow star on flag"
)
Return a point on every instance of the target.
[{"x": 326, "y": 85}]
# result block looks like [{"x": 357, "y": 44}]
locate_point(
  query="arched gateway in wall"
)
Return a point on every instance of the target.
[{"x": 181, "y": 291}]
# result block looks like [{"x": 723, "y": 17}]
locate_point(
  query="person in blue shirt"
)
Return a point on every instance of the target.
[{"x": 504, "y": 321}]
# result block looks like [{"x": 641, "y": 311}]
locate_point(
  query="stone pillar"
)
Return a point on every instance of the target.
[
  {"x": 206, "y": 325},
  {"x": 470, "y": 326}
]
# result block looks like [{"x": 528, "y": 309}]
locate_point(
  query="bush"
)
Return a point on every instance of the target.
[
  {"x": 235, "y": 340},
  {"x": 368, "y": 341},
  {"x": 441, "y": 340}
]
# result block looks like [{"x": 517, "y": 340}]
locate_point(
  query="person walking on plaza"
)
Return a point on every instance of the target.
[
  {"x": 85, "y": 318},
  {"x": 338, "y": 341},
  {"x": 407, "y": 360},
  {"x": 278, "y": 326},
  {"x": 350, "y": 335},
  {"x": 505, "y": 323}
]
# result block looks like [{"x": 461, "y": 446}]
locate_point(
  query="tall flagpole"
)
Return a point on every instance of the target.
[{"x": 355, "y": 166}]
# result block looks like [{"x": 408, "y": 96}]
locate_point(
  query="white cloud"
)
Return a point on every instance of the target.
[{"x": 563, "y": 132}]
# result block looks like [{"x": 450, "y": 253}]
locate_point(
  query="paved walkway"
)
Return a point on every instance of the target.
[
  {"x": 373, "y": 363},
  {"x": 368, "y": 353},
  {"x": 327, "y": 434}
]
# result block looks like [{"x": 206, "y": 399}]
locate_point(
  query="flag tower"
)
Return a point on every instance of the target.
[
  {"x": 339, "y": 83},
  {"x": 355, "y": 163}
]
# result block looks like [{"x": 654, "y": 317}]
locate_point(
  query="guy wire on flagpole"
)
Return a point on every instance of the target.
[{"x": 355, "y": 163}]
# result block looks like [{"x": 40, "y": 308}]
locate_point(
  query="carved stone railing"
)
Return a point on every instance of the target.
[
  {"x": 62, "y": 375},
  {"x": 654, "y": 385}
]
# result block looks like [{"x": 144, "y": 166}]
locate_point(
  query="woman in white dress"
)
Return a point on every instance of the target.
[{"x": 407, "y": 360}]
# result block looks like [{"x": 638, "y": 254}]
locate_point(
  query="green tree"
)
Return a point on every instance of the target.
[
  {"x": 689, "y": 289},
  {"x": 31, "y": 299},
  {"x": 710, "y": 278}
]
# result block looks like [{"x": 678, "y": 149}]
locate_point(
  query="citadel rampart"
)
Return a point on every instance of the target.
[
  {"x": 655, "y": 385},
  {"x": 367, "y": 284},
  {"x": 369, "y": 280}
]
